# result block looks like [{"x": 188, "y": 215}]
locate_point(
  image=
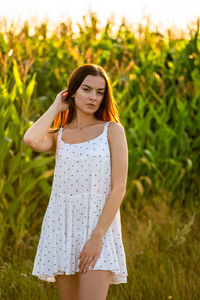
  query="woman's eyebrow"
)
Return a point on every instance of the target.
[{"x": 90, "y": 87}]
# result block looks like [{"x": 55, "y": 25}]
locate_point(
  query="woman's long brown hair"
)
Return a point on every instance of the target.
[{"x": 108, "y": 109}]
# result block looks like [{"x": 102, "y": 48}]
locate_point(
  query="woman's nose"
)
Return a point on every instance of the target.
[{"x": 93, "y": 95}]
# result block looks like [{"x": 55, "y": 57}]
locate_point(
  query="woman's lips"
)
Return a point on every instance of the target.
[{"x": 91, "y": 105}]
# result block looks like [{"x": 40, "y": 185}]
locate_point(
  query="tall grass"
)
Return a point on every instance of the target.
[
  {"x": 156, "y": 84},
  {"x": 162, "y": 254}
]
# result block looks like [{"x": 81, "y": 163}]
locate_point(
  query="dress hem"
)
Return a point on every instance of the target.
[{"x": 51, "y": 278}]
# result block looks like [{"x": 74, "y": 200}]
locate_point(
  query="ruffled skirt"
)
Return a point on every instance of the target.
[{"x": 67, "y": 225}]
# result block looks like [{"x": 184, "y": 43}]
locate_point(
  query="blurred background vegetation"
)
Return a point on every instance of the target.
[{"x": 156, "y": 83}]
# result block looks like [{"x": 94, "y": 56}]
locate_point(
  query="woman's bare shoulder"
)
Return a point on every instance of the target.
[
  {"x": 115, "y": 130},
  {"x": 113, "y": 124}
]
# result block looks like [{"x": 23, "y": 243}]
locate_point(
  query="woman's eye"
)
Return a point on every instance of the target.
[{"x": 85, "y": 89}]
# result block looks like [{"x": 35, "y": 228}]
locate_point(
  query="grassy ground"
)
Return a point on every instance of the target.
[{"x": 162, "y": 250}]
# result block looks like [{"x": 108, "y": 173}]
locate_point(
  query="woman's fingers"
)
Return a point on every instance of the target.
[
  {"x": 94, "y": 262},
  {"x": 88, "y": 263},
  {"x": 64, "y": 93},
  {"x": 82, "y": 262},
  {"x": 85, "y": 264}
]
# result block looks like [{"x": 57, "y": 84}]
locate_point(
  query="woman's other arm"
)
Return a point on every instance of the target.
[{"x": 119, "y": 174}]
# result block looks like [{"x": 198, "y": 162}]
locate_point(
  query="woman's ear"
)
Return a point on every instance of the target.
[{"x": 73, "y": 96}]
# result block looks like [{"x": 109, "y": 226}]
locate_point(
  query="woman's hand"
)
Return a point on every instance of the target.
[
  {"x": 90, "y": 253},
  {"x": 60, "y": 103}
]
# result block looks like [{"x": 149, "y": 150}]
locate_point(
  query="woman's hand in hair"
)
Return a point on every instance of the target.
[{"x": 60, "y": 102}]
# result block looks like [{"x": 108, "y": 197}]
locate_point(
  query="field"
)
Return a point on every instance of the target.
[{"x": 156, "y": 84}]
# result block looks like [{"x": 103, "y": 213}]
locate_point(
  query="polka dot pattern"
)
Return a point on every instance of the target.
[{"x": 81, "y": 185}]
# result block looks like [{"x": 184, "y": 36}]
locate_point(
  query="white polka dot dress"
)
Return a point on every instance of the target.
[{"x": 81, "y": 185}]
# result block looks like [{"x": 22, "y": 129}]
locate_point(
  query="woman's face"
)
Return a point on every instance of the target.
[{"x": 91, "y": 91}]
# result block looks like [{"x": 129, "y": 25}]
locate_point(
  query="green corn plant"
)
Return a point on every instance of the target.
[{"x": 23, "y": 175}]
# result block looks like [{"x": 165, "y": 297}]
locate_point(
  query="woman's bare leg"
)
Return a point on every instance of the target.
[
  {"x": 94, "y": 284},
  {"x": 68, "y": 286}
]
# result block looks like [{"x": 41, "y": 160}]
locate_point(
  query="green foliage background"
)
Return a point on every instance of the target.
[{"x": 156, "y": 83}]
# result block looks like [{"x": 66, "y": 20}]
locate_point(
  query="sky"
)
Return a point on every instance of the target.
[{"x": 163, "y": 13}]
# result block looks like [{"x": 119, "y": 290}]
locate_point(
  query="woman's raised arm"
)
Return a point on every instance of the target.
[{"x": 37, "y": 136}]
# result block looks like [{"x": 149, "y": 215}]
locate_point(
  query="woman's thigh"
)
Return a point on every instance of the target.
[
  {"x": 68, "y": 286},
  {"x": 94, "y": 284}
]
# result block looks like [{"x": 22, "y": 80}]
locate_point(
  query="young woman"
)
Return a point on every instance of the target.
[{"x": 80, "y": 246}]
